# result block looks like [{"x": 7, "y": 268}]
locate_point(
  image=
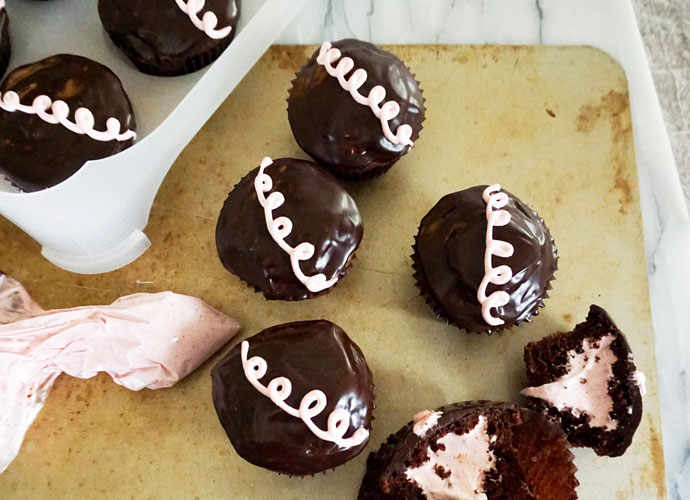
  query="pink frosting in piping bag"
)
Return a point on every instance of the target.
[
  {"x": 15, "y": 302},
  {"x": 142, "y": 341}
]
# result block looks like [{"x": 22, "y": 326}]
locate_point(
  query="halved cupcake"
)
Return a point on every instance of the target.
[
  {"x": 475, "y": 450},
  {"x": 586, "y": 380}
]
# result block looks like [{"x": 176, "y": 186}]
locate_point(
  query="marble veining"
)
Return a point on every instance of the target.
[{"x": 610, "y": 26}]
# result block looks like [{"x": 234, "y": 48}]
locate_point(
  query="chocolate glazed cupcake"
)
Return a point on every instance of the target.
[
  {"x": 166, "y": 37},
  {"x": 355, "y": 139},
  {"x": 314, "y": 231},
  {"x": 480, "y": 288},
  {"x": 296, "y": 398},
  {"x": 474, "y": 449},
  {"x": 4, "y": 38},
  {"x": 85, "y": 115}
]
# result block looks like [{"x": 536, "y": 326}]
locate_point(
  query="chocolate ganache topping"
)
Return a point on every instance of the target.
[
  {"x": 312, "y": 356},
  {"x": 450, "y": 252},
  {"x": 35, "y": 154},
  {"x": 322, "y": 214},
  {"x": 160, "y": 39},
  {"x": 4, "y": 40},
  {"x": 339, "y": 132}
]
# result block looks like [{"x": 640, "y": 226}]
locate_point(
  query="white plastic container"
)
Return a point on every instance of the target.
[{"x": 94, "y": 221}]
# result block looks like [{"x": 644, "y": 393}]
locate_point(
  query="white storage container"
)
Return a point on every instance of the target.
[{"x": 94, "y": 221}]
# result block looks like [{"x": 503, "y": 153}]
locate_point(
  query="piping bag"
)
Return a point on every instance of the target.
[{"x": 142, "y": 341}]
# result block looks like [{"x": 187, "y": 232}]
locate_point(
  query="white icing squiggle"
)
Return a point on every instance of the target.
[
  {"x": 495, "y": 199},
  {"x": 58, "y": 113},
  {"x": 207, "y": 23},
  {"x": 311, "y": 405},
  {"x": 281, "y": 227},
  {"x": 327, "y": 56}
]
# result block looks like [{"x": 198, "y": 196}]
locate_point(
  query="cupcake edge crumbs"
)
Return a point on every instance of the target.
[
  {"x": 296, "y": 398},
  {"x": 586, "y": 381},
  {"x": 346, "y": 109},
  {"x": 170, "y": 38},
  {"x": 289, "y": 230},
  {"x": 47, "y": 140},
  {"x": 514, "y": 233},
  {"x": 503, "y": 447}
]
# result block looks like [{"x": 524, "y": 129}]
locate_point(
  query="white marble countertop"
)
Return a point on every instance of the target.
[{"x": 609, "y": 25}]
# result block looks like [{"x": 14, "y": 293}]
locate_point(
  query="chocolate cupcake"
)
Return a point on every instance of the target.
[
  {"x": 478, "y": 450},
  {"x": 57, "y": 114},
  {"x": 288, "y": 229},
  {"x": 4, "y": 38},
  {"x": 170, "y": 38},
  {"x": 484, "y": 260},
  {"x": 586, "y": 381},
  {"x": 355, "y": 109},
  {"x": 296, "y": 398}
]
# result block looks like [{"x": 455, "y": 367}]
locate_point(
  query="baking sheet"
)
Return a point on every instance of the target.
[{"x": 550, "y": 124}]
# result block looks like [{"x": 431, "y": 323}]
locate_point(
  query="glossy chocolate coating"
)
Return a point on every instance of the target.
[
  {"x": 322, "y": 213},
  {"x": 449, "y": 259},
  {"x": 4, "y": 41},
  {"x": 313, "y": 355},
  {"x": 160, "y": 39},
  {"x": 341, "y": 134},
  {"x": 35, "y": 154},
  {"x": 532, "y": 458}
]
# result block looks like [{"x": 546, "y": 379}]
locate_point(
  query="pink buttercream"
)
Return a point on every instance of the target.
[
  {"x": 142, "y": 341},
  {"x": 425, "y": 420},
  {"x": 466, "y": 458},
  {"x": 584, "y": 389}
]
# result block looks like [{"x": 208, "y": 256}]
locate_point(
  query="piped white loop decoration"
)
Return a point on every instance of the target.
[
  {"x": 329, "y": 55},
  {"x": 207, "y": 23},
  {"x": 57, "y": 113},
  {"x": 281, "y": 227},
  {"x": 311, "y": 405},
  {"x": 495, "y": 217}
]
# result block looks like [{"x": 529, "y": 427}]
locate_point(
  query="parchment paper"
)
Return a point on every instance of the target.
[{"x": 550, "y": 124}]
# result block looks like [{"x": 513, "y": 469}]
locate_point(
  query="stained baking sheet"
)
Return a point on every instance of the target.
[{"x": 550, "y": 124}]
